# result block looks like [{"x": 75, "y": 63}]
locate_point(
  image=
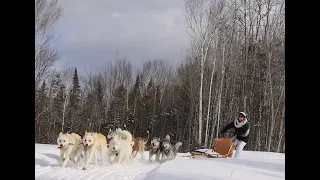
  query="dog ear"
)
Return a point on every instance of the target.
[
  {"x": 60, "y": 133},
  {"x": 85, "y": 132}
]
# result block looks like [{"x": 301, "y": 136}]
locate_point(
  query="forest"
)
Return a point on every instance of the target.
[{"x": 235, "y": 62}]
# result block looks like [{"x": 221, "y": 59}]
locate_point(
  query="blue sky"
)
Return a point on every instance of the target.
[{"x": 92, "y": 32}]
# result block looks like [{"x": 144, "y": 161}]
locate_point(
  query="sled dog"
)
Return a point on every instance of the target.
[
  {"x": 139, "y": 145},
  {"x": 70, "y": 146},
  {"x": 155, "y": 148},
  {"x": 93, "y": 142},
  {"x": 168, "y": 151},
  {"x": 120, "y": 146}
]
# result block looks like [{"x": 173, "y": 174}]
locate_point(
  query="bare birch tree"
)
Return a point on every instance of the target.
[
  {"x": 201, "y": 27},
  {"x": 47, "y": 14}
]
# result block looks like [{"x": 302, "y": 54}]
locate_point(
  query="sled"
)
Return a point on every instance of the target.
[
  {"x": 222, "y": 148},
  {"x": 203, "y": 153}
]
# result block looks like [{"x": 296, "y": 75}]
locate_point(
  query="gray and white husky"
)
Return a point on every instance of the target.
[
  {"x": 155, "y": 149},
  {"x": 168, "y": 151}
]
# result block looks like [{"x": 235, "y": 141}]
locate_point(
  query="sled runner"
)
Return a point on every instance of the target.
[{"x": 222, "y": 148}]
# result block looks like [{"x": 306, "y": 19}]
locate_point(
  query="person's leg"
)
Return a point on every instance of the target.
[{"x": 239, "y": 147}]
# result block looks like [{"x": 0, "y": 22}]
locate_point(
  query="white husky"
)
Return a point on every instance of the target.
[
  {"x": 70, "y": 146},
  {"x": 120, "y": 146},
  {"x": 93, "y": 142}
]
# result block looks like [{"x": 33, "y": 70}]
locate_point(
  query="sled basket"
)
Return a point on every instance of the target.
[{"x": 224, "y": 147}]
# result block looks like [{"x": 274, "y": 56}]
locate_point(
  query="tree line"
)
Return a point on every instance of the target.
[{"x": 235, "y": 63}]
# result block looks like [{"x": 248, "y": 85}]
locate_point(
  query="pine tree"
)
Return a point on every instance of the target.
[
  {"x": 58, "y": 105},
  {"x": 134, "y": 104},
  {"x": 41, "y": 111},
  {"x": 74, "y": 101},
  {"x": 100, "y": 114},
  {"x": 148, "y": 107},
  {"x": 117, "y": 112}
]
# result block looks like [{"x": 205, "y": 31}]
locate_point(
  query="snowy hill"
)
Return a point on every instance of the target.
[{"x": 251, "y": 166}]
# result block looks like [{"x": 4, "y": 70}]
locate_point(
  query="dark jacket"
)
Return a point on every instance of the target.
[{"x": 242, "y": 133}]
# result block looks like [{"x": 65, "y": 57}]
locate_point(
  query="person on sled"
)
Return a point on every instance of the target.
[{"x": 242, "y": 130}]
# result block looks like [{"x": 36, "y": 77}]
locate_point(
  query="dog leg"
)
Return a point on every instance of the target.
[
  {"x": 157, "y": 156},
  {"x": 78, "y": 160},
  {"x": 61, "y": 160},
  {"x": 163, "y": 158},
  {"x": 91, "y": 153},
  {"x": 119, "y": 158},
  {"x": 74, "y": 163},
  {"x": 95, "y": 158},
  {"x": 103, "y": 150},
  {"x": 134, "y": 153},
  {"x": 65, "y": 161},
  {"x": 85, "y": 157},
  {"x": 141, "y": 153},
  {"x": 128, "y": 157},
  {"x": 150, "y": 156},
  {"x": 111, "y": 157}
]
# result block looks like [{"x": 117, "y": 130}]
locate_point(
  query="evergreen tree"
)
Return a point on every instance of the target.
[
  {"x": 134, "y": 105},
  {"x": 74, "y": 101},
  {"x": 58, "y": 107},
  {"x": 117, "y": 112},
  {"x": 100, "y": 111},
  {"x": 41, "y": 112}
]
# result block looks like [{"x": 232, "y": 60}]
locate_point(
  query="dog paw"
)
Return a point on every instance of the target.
[{"x": 84, "y": 168}]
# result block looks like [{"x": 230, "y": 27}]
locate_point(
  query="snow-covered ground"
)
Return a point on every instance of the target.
[{"x": 250, "y": 166}]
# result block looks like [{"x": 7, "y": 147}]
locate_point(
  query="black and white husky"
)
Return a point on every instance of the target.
[
  {"x": 168, "y": 151},
  {"x": 155, "y": 149}
]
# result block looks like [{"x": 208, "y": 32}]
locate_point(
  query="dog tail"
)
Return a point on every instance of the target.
[
  {"x": 177, "y": 145},
  {"x": 167, "y": 137},
  {"x": 126, "y": 134},
  {"x": 145, "y": 142}
]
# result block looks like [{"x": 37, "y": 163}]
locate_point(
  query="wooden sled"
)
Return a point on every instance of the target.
[
  {"x": 222, "y": 148},
  {"x": 200, "y": 153}
]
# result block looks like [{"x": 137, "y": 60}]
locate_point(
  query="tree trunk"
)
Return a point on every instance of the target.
[
  {"x": 280, "y": 133},
  {"x": 220, "y": 91},
  {"x": 270, "y": 133},
  {"x": 209, "y": 102},
  {"x": 200, "y": 96}
]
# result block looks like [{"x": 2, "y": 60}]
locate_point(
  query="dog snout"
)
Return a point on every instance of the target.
[
  {"x": 114, "y": 148},
  {"x": 87, "y": 145},
  {"x": 152, "y": 144}
]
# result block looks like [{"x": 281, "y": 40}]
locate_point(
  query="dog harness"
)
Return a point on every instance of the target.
[
  {"x": 166, "y": 151},
  {"x": 154, "y": 150}
]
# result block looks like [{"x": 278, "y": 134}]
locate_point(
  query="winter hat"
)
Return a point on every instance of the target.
[{"x": 243, "y": 113}]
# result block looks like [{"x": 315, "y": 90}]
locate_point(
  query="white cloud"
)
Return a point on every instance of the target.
[{"x": 98, "y": 29}]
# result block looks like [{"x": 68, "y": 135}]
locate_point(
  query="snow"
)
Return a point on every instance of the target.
[{"x": 252, "y": 165}]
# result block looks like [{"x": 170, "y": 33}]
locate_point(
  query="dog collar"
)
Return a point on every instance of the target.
[{"x": 155, "y": 149}]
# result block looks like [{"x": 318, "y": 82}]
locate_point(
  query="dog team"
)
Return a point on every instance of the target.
[{"x": 119, "y": 144}]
